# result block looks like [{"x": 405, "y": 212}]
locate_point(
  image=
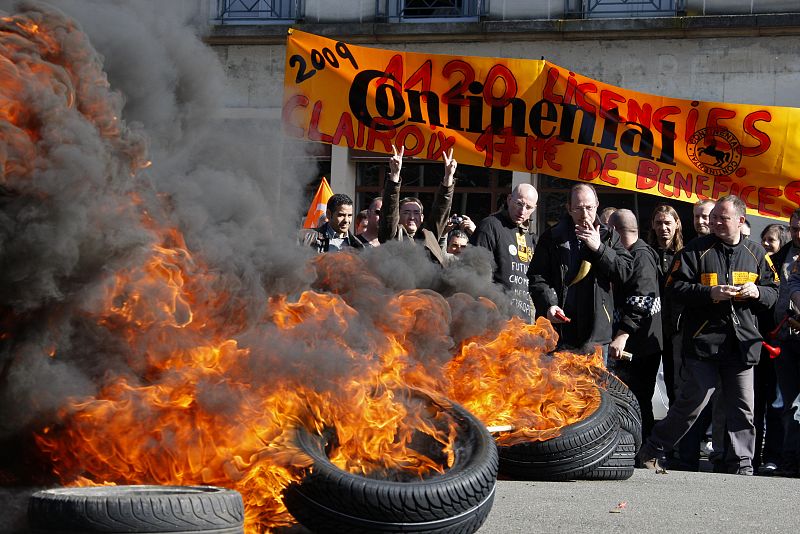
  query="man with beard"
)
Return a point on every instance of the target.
[
  {"x": 723, "y": 280},
  {"x": 508, "y": 234},
  {"x": 571, "y": 274},
  {"x": 404, "y": 220},
  {"x": 335, "y": 234}
]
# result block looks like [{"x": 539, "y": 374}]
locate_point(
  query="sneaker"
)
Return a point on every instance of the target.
[
  {"x": 767, "y": 470},
  {"x": 747, "y": 470}
]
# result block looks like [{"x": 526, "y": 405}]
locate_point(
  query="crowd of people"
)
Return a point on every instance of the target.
[{"x": 717, "y": 312}]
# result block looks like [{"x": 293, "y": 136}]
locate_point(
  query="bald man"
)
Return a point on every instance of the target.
[
  {"x": 638, "y": 329},
  {"x": 509, "y": 235}
]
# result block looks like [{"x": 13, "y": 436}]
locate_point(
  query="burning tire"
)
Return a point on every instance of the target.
[
  {"x": 158, "y": 509},
  {"x": 579, "y": 449},
  {"x": 620, "y": 465},
  {"x": 630, "y": 414},
  {"x": 329, "y": 499}
]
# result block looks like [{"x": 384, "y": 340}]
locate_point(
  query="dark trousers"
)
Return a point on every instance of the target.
[
  {"x": 787, "y": 366},
  {"x": 688, "y": 448},
  {"x": 640, "y": 375},
  {"x": 668, "y": 364},
  {"x": 766, "y": 418},
  {"x": 695, "y": 393}
]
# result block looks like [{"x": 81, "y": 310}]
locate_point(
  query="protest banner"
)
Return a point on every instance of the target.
[{"x": 534, "y": 116}]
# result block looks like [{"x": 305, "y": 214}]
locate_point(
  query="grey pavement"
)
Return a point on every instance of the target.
[
  {"x": 648, "y": 502},
  {"x": 653, "y": 503}
]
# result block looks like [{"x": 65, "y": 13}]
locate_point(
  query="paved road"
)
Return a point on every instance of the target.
[
  {"x": 648, "y": 503},
  {"x": 676, "y": 502}
]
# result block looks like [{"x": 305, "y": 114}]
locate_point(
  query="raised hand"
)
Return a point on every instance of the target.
[
  {"x": 467, "y": 225},
  {"x": 396, "y": 163},
  {"x": 450, "y": 165}
]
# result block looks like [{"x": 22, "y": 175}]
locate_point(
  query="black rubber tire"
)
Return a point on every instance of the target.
[
  {"x": 620, "y": 465},
  {"x": 577, "y": 450},
  {"x": 152, "y": 509},
  {"x": 329, "y": 499},
  {"x": 630, "y": 414}
]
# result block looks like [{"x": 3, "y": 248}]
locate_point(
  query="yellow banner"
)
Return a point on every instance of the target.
[{"x": 534, "y": 116}]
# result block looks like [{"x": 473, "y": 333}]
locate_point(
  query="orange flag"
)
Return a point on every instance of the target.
[{"x": 318, "y": 205}]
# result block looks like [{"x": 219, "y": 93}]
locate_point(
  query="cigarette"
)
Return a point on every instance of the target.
[{"x": 500, "y": 428}]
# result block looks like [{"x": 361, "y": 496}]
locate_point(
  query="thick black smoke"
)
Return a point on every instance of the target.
[{"x": 77, "y": 206}]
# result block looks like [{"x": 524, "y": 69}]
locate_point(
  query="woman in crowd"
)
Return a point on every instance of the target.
[
  {"x": 766, "y": 417},
  {"x": 666, "y": 237}
]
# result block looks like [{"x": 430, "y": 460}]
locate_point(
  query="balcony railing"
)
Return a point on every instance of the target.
[
  {"x": 591, "y": 9},
  {"x": 431, "y": 10},
  {"x": 258, "y": 11}
]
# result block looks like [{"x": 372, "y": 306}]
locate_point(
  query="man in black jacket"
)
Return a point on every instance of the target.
[
  {"x": 404, "y": 220},
  {"x": 638, "y": 319},
  {"x": 509, "y": 235},
  {"x": 723, "y": 280},
  {"x": 571, "y": 274}
]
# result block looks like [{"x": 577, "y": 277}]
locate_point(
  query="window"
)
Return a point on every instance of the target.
[
  {"x": 590, "y": 9},
  {"x": 431, "y": 10},
  {"x": 257, "y": 11}
]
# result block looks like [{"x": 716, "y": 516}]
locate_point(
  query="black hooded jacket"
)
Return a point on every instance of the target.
[
  {"x": 589, "y": 302},
  {"x": 638, "y": 303}
]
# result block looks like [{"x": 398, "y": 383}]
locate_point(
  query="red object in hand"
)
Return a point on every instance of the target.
[
  {"x": 774, "y": 352},
  {"x": 560, "y": 316}
]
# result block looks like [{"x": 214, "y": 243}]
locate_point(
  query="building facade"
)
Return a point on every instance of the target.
[{"x": 737, "y": 51}]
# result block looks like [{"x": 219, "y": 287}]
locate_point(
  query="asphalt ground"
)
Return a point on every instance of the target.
[{"x": 648, "y": 502}]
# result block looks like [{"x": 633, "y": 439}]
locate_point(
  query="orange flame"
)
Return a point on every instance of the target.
[
  {"x": 514, "y": 380},
  {"x": 208, "y": 397},
  {"x": 204, "y": 419}
]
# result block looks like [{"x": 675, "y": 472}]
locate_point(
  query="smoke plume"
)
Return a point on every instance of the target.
[{"x": 130, "y": 212}]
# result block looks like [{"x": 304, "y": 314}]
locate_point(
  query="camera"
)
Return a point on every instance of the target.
[{"x": 456, "y": 220}]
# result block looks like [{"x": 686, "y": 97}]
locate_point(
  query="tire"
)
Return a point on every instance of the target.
[
  {"x": 577, "y": 450},
  {"x": 329, "y": 499},
  {"x": 149, "y": 509},
  {"x": 620, "y": 465},
  {"x": 630, "y": 414}
]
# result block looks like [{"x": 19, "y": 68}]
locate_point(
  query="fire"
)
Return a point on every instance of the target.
[
  {"x": 515, "y": 380},
  {"x": 198, "y": 391},
  {"x": 204, "y": 420}
]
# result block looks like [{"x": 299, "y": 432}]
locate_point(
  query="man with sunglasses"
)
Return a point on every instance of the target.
[
  {"x": 370, "y": 236},
  {"x": 509, "y": 235}
]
